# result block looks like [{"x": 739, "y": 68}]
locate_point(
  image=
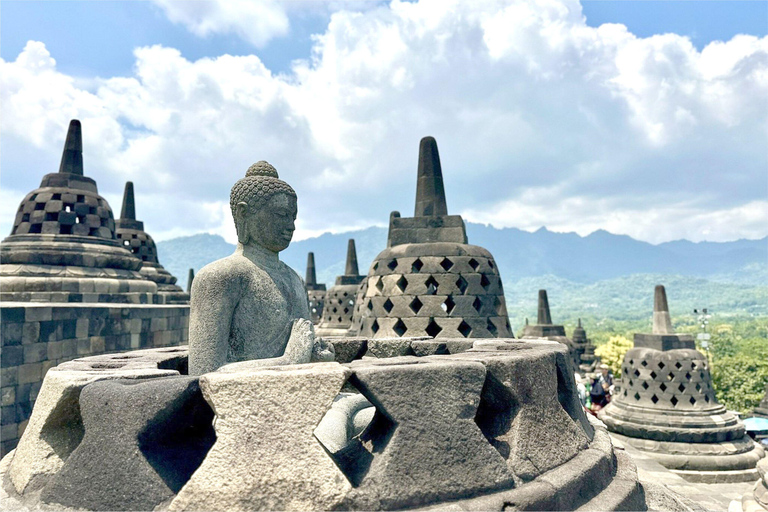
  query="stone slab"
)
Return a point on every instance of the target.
[
  {"x": 142, "y": 442},
  {"x": 265, "y": 445},
  {"x": 664, "y": 341},
  {"x": 423, "y": 445},
  {"x": 55, "y": 427}
]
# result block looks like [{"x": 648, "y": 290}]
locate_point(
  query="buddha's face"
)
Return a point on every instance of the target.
[{"x": 272, "y": 225}]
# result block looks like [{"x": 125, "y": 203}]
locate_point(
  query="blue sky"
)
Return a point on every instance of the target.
[
  {"x": 571, "y": 119},
  {"x": 77, "y": 31}
]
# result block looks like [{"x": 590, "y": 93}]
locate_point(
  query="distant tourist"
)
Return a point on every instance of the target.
[
  {"x": 581, "y": 388},
  {"x": 601, "y": 388}
]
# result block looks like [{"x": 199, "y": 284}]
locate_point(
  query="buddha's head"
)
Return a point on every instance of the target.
[{"x": 264, "y": 208}]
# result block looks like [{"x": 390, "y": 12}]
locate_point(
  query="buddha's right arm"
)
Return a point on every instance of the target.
[{"x": 212, "y": 304}]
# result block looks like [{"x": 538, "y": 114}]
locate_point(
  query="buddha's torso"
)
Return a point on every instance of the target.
[{"x": 271, "y": 297}]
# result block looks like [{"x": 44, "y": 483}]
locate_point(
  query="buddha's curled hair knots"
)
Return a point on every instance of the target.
[{"x": 260, "y": 183}]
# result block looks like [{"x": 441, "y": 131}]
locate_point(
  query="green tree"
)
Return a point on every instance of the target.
[
  {"x": 613, "y": 351},
  {"x": 739, "y": 380}
]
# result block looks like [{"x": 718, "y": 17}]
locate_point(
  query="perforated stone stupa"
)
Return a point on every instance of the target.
[
  {"x": 315, "y": 291},
  {"x": 667, "y": 408},
  {"x": 130, "y": 233},
  {"x": 429, "y": 280},
  {"x": 584, "y": 350},
  {"x": 544, "y": 328},
  {"x": 63, "y": 248},
  {"x": 339, "y": 304}
]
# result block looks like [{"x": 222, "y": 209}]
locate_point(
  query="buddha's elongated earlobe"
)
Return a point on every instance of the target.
[{"x": 241, "y": 227}]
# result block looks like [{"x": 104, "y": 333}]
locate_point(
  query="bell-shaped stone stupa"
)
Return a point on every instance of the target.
[
  {"x": 130, "y": 233},
  {"x": 315, "y": 291},
  {"x": 339, "y": 304},
  {"x": 63, "y": 248},
  {"x": 584, "y": 350},
  {"x": 429, "y": 280},
  {"x": 667, "y": 408},
  {"x": 544, "y": 328}
]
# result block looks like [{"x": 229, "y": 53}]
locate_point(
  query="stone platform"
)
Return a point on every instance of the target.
[
  {"x": 496, "y": 427},
  {"x": 39, "y": 336}
]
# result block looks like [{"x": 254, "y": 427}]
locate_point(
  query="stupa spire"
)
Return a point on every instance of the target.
[
  {"x": 311, "y": 276},
  {"x": 544, "y": 317},
  {"x": 72, "y": 156},
  {"x": 351, "y": 268},
  {"x": 128, "y": 211},
  {"x": 430, "y": 192},
  {"x": 662, "y": 324}
]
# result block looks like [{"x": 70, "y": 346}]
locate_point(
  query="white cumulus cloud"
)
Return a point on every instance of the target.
[
  {"x": 540, "y": 120},
  {"x": 256, "y": 21}
]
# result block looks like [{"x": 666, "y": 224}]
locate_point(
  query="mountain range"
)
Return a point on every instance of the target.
[{"x": 598, "y": 272}]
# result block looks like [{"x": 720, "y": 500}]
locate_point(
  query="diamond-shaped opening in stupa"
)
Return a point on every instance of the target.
[{"x": 353, "y": 431}]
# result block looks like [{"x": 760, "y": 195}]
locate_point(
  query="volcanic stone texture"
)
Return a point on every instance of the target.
[
  {"x": 442, "y": 290},
  {"x": 315, "y": 291},
  {"x": 37, "y": 336},
  {"x": 142, "y": 442},
  {"x": 62, "y": 247},
  {"x": 316, "y": 304},
  {"x": 131, "y": 235},
  {"x": 266, "y": 456},
  {"x": 339, "y": 305},
  {"x": 667, "y": 407},
  {"x": 56, "y": 426},
  {"x": 497, "y": 425}
]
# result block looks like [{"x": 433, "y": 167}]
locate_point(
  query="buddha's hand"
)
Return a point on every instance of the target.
[
  {"x": 322, "y": 351},
  {"x": 301, "y": 342}
]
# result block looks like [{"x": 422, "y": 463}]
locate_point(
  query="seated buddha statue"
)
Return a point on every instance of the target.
[{"x": 250, "y": 305}]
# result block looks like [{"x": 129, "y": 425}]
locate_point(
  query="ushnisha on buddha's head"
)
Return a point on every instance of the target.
[{"x": 264, "y": 208}]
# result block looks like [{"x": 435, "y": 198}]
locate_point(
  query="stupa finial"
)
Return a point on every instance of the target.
[
  {"x": 544, "y": 317},
  {"x": 128, "y": 211},
  {"x": 190, "y": 278},
  {"x": 579, "y": 322},
  {"x": 72, "y": 157},
  {"x": 311, "y": 276},
  {"x": 662, "y": 324},
  {"x": 351, "y": 268},
  {"x": 430, "y": 192}
]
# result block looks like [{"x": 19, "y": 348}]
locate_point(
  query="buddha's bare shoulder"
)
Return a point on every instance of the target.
[
  {"x": 224, "y": 273},
  {"x": 295, "y": 278}
]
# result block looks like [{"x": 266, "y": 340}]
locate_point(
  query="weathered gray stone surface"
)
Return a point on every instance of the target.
[
  {"x": 55, "y": 427},
  {"x": 142, "y": 442},
  {"x": 344, "y": 421},
  {"x": 347, "y": 349},
  {"x": 544, "y": 328},
  {"x": 527, "y": 395},
  {"x": 583, "y": 349},
  {"x": 339, "y": 301},
  {"x": 302, "y": 347},
  {"x": 424, "y": 432},
  {"x": 423, "y": 444},
  {"x": 429, "y": 281},
  {"x": 438, "y": 347},
  {"x": 62, "y": 247},
  {"x": 131, "y": 235},
  {"x": 667, "y": 408},
  {"x": 266, "y": 456},
  {"x": 244, "y": 306},
  {"x": 315, "y": 291}
]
